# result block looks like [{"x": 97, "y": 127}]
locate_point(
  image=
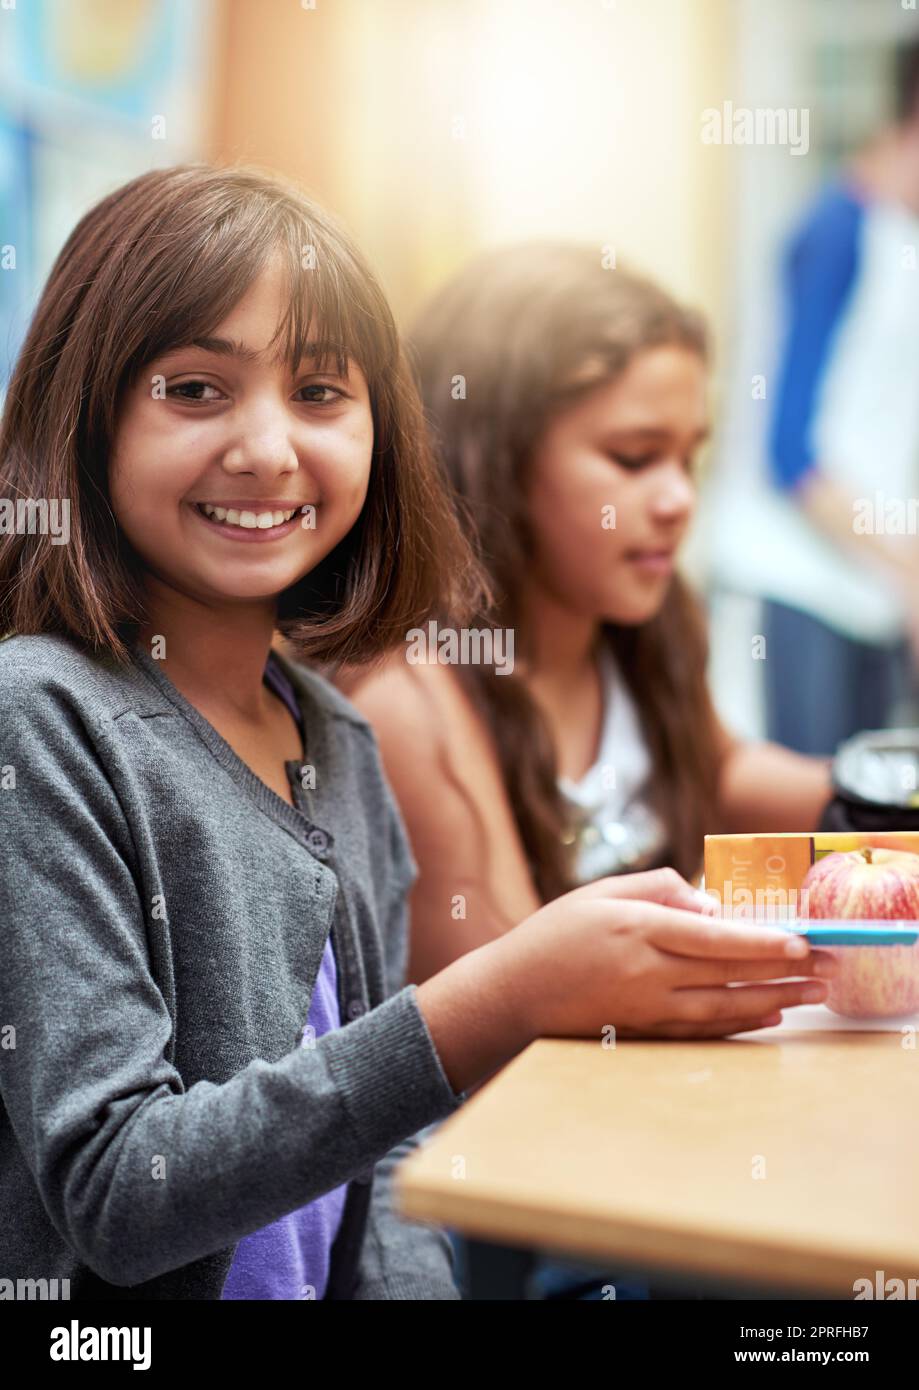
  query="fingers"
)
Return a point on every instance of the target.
[
  {"x": 663, "y": 886},
  {"x": 692, "y": 934},
  {"x": 696, "y": 973},
  {"x": 743, "y": 1001}
]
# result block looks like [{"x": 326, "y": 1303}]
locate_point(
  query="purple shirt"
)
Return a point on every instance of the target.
[{"x": 290, "y": 1258}]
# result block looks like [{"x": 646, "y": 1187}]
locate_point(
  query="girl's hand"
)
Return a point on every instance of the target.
[
  {"x": 598, "y": 957},
  {"x": 664, "y": 886}
]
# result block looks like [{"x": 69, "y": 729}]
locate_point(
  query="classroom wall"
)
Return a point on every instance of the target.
[{"x": 434, "y": 128}]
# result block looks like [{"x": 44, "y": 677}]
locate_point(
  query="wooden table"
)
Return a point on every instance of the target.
[{"x": 785, "y": 1159}]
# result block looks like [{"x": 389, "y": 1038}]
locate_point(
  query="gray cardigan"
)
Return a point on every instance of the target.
[{"x": 163, "y": 917}]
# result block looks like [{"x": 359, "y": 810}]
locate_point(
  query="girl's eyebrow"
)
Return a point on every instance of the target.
[
  {"x": 229, "y": 347},
  {"x": 655, "y": 432}
]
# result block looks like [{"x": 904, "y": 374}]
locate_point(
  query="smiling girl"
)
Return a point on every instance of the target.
[{"x": 210, "y": 1061}]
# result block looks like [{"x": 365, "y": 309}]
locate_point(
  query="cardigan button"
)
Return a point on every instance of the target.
[
  {"x": 356, "y": 1009},
  {"x": 318, "y": 841}
]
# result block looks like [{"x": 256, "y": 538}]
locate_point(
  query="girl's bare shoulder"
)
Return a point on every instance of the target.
[
  {"x": 424, "y": 705},
  {"x": 428, "y": 728},
  {"x": 442, "y": 762}
]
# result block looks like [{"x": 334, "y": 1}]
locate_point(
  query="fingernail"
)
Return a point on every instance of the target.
[
  {"x": 827, "y": 967},
  {"x": 813, "y": 994},
  {"x": 796, "y": 946}
]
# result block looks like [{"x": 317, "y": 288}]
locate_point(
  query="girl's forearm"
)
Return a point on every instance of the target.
[
  {"x": 764, "y": 787},
  {"x": 436, "y": 942},
  {"x": 477, "y": 1014},
  {"x": 836, "y": 513}
]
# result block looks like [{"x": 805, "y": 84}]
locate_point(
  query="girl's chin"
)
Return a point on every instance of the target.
[
  {"x": 633, "y": 610},
  {"x": 220, "y": 587}
]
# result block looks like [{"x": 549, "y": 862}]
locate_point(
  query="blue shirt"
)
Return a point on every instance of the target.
[{"x": 820, "y": 272}]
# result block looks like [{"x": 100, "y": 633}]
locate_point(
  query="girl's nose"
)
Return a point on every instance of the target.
[
  {"x": 675, "y": 494},
  {"x": 263, "y": 443}
]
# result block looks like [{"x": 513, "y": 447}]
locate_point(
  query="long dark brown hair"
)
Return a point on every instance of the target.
[
  {"x": 527, "y": 329},
  {"x": 154, "y": 265}
]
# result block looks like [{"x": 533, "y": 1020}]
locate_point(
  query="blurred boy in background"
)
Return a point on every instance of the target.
[{"x": 831, "y": 546}]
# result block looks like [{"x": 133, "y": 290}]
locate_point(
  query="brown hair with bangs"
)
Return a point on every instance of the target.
[
  {"x": 154, "y": 265},
  {"x": 531, "y": 328}
]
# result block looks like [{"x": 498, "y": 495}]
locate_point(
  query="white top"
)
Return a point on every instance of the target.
[{"x": 617, "y": 831}]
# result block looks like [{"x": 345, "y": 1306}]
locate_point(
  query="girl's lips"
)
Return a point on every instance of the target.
[
  {"x": 248, "y": 534},
  {"x": 652, "y": 561}
]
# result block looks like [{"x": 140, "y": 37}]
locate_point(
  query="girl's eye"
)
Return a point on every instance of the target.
[
  {"x": 633, "y": 461},
  {"x": 191, "y": 391},
  {"x": 320, "y": 386}
]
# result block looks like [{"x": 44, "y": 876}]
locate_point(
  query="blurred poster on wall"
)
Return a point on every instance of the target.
[{"x": 92, "y": 92}]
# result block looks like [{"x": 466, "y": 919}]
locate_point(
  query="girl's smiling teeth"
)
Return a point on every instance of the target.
[{"x": 248, "y": 520}]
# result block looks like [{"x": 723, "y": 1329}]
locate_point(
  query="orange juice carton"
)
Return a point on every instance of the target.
[{"x": 763, "y": 876}]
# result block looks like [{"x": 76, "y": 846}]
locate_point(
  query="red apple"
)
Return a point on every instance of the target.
[{"x": 873, "y": 981}]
